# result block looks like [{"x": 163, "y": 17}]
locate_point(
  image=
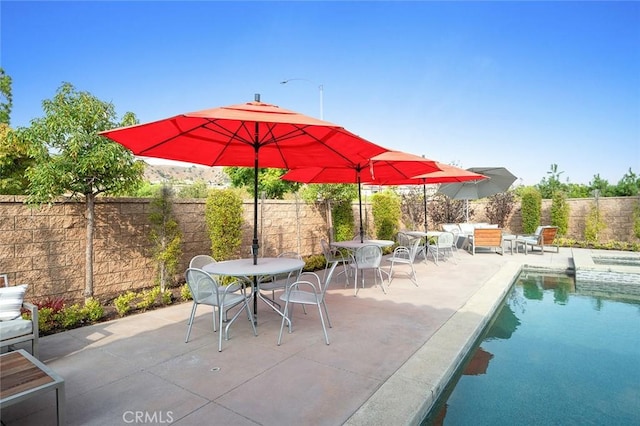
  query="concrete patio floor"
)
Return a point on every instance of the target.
[{"x": 389, "y": 355}]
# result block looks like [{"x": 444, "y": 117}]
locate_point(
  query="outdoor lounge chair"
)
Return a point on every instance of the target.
[
  {"x": 13, "y": 328},
  {"x": 544, "y": 236},
  {"x": 488, "y": 238}
]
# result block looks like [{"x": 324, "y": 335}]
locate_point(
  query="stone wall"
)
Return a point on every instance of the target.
[
  {"x": 617, "y": 214},
  {"x": 45, "y": 247}
]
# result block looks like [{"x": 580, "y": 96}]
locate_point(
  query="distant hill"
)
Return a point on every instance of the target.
[{"x": 213, "y": 176}]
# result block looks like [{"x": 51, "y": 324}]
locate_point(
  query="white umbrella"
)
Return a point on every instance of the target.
[{"x": 499, "y": 179}]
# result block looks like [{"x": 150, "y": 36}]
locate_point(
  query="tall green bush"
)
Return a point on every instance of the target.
[
  {"x": 593, "y": 224},
  {"x": 560, "y": 212},
  {"x": 386, "y": 208},
  {"x": 223, "y": 216},
  {"x": 531, "y": 209},
  {"x": 636, "y": 220},
  {"x": 343, "y": 222}
]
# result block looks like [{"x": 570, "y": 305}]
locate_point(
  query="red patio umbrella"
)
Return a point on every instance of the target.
[
  {"x": 390, "y": 165},
  {"x": 253, "y": 134},
  {"x": 447, "y": 174}
]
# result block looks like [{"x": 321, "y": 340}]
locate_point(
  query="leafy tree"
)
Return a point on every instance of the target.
[
  {"x": 338, "y": 198},
  {"x": 73, "y": 159},
  {"x": 628, "y": 186},
  {"x": 15, "y": 158},
  {"x": 165, "y": 236},
  {"x": 577, "y": 190},
  {"x": 551, "y": 183},
  {"x": 601, "y": 185},
  {"x": 6, "y": 97},
  {"x": 197, "y": 189},
  {"x": 269, "y": 181}
]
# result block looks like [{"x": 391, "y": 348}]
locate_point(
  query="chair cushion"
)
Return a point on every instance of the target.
[
  {"x": 467, "y": 228},
  {"x": 11, "y": 301},
  {"x": 15, "y": 328}
]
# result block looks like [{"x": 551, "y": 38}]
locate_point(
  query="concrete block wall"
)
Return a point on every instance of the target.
[{"x": 45, "y": 247}]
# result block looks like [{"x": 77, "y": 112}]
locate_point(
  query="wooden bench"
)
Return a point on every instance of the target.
[{"x": 487, "y": 237}]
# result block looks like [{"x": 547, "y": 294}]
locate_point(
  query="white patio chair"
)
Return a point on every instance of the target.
[
  {"x": 206, "y": 291},
  {"x": 367, "y": 257},
  {"x": 332, "y": 255},
  {"x": 405, "y": 255},
  {"x": 278, "y": 282},
  {"x": 306, "y": 290},
  {"x": 200, "y": 260},
  {"x": 444, "y": 243}
]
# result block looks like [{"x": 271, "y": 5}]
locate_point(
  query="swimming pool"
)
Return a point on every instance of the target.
[{"x": 551, "y": 356}]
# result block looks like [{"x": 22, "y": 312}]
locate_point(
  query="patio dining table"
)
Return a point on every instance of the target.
[
  {"x": 354, "y": 244},
  {"x": 244, "y": 268}
]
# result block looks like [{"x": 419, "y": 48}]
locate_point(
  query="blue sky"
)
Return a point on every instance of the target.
[{"x": 515, "y": 84}]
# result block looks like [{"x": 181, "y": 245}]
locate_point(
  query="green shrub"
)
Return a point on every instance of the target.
[
  {"x": 165, "y": 236},
  {"x": 636, "y": 220},
  {"x": 185, "y": 292},
  {"x": 386, "y": 214},
  {"x": 165, "y": 298},
  {"x": 313, "y": 263},
  {"x": 45, "y": 319},
  {"x": 70, "y": 317},
  {"x": 223, "y": 216},
  {"x": 123, "y": 302},
  {"x": 343, "y": 223},
  {"x": 531, "y": 208},
  {"x": 93, "y": 309},
  {"x": 560, "y": 212},
  {"x": 147, "y": 298},
  {"x": 593, "y": 225}
]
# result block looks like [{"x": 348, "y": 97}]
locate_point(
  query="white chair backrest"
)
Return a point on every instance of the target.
[
  {"x": 200, "y": 260},
  {"x": 368, "y": 256},
  {"x": 290, "y": 254},
  {"x": 326, "y": 248},
  {"x": 451, "y": 227},
  {"x": 466, "y": 228},
  {"x": 314, "y": 279},
  {"x": 5, "y": 279},
  {"x": 403, "y": 239},
  {"x": 414, "y": 248},
  {"x": 445, "y": 239},
  {"x": 201, "y": 284}
]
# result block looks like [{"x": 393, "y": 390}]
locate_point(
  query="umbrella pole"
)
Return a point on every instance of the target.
[
  {"x": 360, "y": 205},
  {"x": 424, "y": 192},
  {"x": 255, "y": 246}
]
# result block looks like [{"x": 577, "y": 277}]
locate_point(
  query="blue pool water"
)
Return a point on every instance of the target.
[{"x": 552, "y": 356}]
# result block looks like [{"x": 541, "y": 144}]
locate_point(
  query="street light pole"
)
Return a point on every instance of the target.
[{"x": 320, "y": 88}]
